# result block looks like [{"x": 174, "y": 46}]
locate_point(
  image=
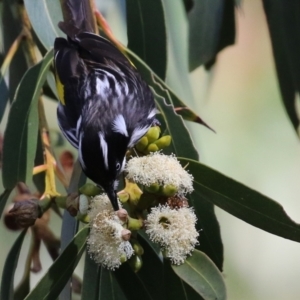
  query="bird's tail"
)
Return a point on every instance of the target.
[{"x": 78, "y": 16}]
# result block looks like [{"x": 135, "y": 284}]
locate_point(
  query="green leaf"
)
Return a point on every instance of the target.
[
  {"x": 4, "y": 95},
  {"x": 109, "y": 287},
  {"x": 91, "y": 278},
  {"x": 10, "y": 266},
  {"x": 211, "y": 28},
  {"x": 13, "y": 27},
  {"x": 163, "y": 90},
  {"x": 203, "y": 276},
  {"x": 3, "y": 199},
  {"x": 20, "y": 139},
  {"x": 182, "y": 143},
  {"x": 44, "y": 16},
  {"x": 283, "y": 21},
  {"x": 241, "y": 201},
  {"x": 146, "y": 37},
  {"x": 209, "y": 229},
  {"x": 131, "y": 285},
  {"x": 60, "y": 272},
  {"x": 176, "y": 288},
  {"x": 99, "y": 283}
]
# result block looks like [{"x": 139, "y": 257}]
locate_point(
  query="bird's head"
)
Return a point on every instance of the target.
[{"x": 102, "y": 157}]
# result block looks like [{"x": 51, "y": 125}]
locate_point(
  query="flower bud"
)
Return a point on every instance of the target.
[
  {"x": 83, "y": 204},
  {"x": 169, "y": 190},
  {"x": 135, "y": 262},
  {"x": 163, "y": 142},
  {"x": 138, "y": 249},
  {"x": 142, "y": 144},
  {"x": 153, "y": 134},
  {"x": 90, "y": 190},
  {"x": 123, "y": 258},
  {"x": 126, "y": 234},
  {"x": 26, "y": 212},
  {"x": 122, "y": 214},
  {"x": 153, "y": 188},
  {"x": 152, "y": 148},
  {"x": 134, "y": 224}
]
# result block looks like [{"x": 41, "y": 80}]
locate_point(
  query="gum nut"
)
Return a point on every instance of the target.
[
  {"x": 153, "y": 188},
  {"x": 169, "y": 190},
  {"x": 152, "y": 148},
  {"x": 90, "y": 189},
  {"x": 163, "y": 142},
  {"x": 153, "y": 134},
  {"x": 142, "y": 144},
  {"x": 138, "y": 249},
  {"x": 135, "y": 263}
]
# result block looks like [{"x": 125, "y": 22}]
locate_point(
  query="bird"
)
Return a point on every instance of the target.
[{"x": 104, "y": 107}]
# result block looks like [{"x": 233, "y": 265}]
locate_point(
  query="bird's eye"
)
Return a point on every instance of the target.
[{"x": 118, "y": 166}]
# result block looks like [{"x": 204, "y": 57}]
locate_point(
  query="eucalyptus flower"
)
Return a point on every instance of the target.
[
  {"x": 174, "y": 230},
  {"x": 161, "y": 169},
  {"x": 108, "y": 242}
]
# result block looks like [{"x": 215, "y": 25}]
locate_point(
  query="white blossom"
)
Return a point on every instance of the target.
[
  {"x": 174, "y": 230},
  {"x": 162, "y": 169},
  {"x": 105, "y": 243}
]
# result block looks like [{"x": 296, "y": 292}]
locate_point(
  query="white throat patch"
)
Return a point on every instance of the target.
[{"x": 119, "y": 125}]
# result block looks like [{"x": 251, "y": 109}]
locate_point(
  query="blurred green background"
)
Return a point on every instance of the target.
[{"x": 254, "y": 144}]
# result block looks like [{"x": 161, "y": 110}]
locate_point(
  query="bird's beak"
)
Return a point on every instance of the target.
[{"x": 112, "y": 195}]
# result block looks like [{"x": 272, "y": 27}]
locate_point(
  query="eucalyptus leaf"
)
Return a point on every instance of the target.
[
  {"x": 44, "y": 16},
  {"x": 176, "y": 288},
  {"x": 61, "y": 270},
  {"x": 211, "y": 28},
  {"x": 20, "y": 139},
  {"x": 283, "y": 21},
  {"x": 203, "y": 276},
  {"x": 146, "y": 38},
  {"x": 132, "y": 286},
  {"x": 3, "y": 199},
  {"x": 241, "y": 201},
  {"x": 210, "y": 241},
  {"x": 109, "y": 287},
  {"x": 182, "y": 143},
  {"x": 4, "y": 95},
  {"x": 9, "y": 269},
  {"x": 13, "y": 27}
]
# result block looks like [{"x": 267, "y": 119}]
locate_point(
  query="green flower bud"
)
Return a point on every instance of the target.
[
  {"x": 123, "y": 196},
  {"x": 153, "y": 188},
  {"x": 89, "y": 189},
  {"x": 138, "y": 249},
  {"x": 134, "y": 224},
  {"x": 152, "y": 148},
  {"x": 163, "y": 142},
  {"x": 153, "y": 134},
  {"x": 169, "y": 190},
  {"x": 135, "y": 262},
  {"x": 83, "y": 218},
  {"x": 142, "y": 144},
  {"x": 123, "y": 258}
]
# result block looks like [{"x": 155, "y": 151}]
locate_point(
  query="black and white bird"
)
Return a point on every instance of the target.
[{"x": 105, "y": 106}]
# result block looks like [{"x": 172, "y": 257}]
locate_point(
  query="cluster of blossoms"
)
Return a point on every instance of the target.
[{"x": 170, "y": 223}]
